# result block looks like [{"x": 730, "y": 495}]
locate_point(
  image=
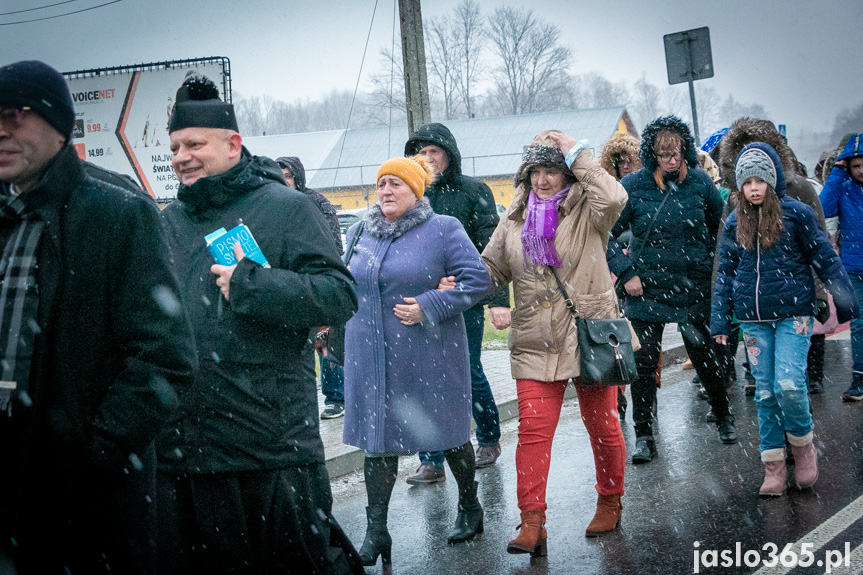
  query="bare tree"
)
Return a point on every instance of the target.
[
  {"x": 597, "y": 91},
  {"x": 530, "y": 57},
  {"x": 387, "y": 98},
  {"x": 646, "y": 102},
  {"x": 470, "y": 40},
  {"x": 848, "y": 120},
  {"x": 443, "y": 61}
]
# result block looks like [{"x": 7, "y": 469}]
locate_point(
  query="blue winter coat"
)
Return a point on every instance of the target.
[
  {"x": 842, "y": 197},
  {"x": 777, "y": 283},
  {"x": 407, "y": 387}
]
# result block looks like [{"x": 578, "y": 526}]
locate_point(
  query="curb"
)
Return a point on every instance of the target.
[{"x": 348, "y": 462}]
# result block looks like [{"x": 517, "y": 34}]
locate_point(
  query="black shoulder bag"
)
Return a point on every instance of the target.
[
  {"x": 604, "y": 345},
  {"x": 336, "y": 334}
]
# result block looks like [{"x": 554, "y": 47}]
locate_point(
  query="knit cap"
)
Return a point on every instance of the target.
[
  {"x": 413, "y": 171},
  {"x": 43, "y": 89},
  {"x": 755, "y": 163}
]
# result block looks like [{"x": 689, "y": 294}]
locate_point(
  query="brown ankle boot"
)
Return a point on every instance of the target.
[
  {"x": 532, "y": 537},
  {"x": 607, "y": 517}
]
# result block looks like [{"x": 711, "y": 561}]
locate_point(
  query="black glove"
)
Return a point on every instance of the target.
[{"x": 823, "y": 313}]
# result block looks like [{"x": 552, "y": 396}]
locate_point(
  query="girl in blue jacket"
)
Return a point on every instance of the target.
[
  {"x": 769, "y": 249},
  {"x": 842, "y": 199}
]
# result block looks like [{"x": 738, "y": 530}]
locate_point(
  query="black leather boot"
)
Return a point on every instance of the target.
[
  {"x": 378, "y": 540},
  {"x": 469, "y": 521}
]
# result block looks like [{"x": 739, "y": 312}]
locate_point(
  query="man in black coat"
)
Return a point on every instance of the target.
[
  {"x": 472, "y": 203},
  {"x": 242, "y": 483},
  {"x": 95, "y": 346}
]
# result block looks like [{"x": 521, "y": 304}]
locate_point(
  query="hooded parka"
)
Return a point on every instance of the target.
[{"x": 674, "y": 261}]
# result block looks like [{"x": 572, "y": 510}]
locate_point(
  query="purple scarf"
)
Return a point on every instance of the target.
[{"x": 540, "y": 226}]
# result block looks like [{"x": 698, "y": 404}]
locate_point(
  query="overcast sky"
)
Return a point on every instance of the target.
[{"x": 795, "y": 57}]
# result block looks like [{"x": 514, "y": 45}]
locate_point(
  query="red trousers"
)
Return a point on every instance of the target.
[{"x": 539, "y": 404}]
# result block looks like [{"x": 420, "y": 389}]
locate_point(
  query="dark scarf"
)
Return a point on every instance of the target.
[
  {"x": 19, "y": 300},
  {"x": 378, "y": 226}
]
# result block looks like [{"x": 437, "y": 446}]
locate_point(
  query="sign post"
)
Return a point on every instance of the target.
[{"x": 688, "y": 58}]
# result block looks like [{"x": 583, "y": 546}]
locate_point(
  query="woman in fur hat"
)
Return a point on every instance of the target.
[{"x": 557, "y": 224}]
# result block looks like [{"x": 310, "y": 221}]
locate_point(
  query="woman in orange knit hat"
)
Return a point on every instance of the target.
[{"x": 407, "y": 374}]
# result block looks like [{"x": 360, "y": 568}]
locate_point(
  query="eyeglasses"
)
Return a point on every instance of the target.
[
  {"x": 627, "y": 161},
  {"x": 668, "y": 157},
  {"x": 10, "y": 118}
]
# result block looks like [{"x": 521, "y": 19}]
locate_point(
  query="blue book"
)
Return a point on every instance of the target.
[{"x": 221, "y": 246}]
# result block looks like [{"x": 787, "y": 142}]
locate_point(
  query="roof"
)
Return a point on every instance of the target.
[{"x": 489, "y": 146}]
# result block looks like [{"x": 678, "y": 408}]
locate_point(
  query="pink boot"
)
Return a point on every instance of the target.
[
  {"x": 805, "y": 460},
  {"x": 775, "y": 473}
]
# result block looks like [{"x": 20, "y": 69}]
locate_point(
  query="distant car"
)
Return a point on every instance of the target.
[
  {"x": 347, "y": 218},
  {"x": 501, "y": 209}
]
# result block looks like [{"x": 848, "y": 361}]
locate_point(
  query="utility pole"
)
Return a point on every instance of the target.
[{"x": 414, "y": 55}]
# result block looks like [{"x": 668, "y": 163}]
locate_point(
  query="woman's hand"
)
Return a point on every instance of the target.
[
  {"x": 562, "y": 141},
  {"x": 410, "y": 312},
  {"x": 633, "y": 287},
  {"x": 721, "y": 339},
  {"x": 500, "y": 317},
  {"x": 446, "y": 283}
]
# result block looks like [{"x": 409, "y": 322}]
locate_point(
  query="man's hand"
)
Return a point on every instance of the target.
[
  {"x": 562, "y": 141},
  {"x": 224, "y": 273},
  {"x": 410, "y": 312},
  {"x": 721, "y": 339},
  {"x": 633, "y": 287},
  {"x": 500, "y": 317},
  {"x": 446, "y": 283}
]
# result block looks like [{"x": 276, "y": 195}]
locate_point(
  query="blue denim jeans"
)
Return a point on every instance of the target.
[
  {"x": 484, "y": 408},
  {"x": 332, "y": 381},
  {"x": 777, "y": 353},
  {"x": 857, "y": 326}
]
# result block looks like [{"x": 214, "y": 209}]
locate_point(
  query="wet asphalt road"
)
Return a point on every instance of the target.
[{"x": 697, "y": 490}]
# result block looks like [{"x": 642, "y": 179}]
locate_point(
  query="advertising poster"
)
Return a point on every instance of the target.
[{"x": 121, "y": 118}]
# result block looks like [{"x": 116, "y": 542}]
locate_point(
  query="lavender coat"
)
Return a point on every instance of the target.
[{"x": 407, "y": 388}]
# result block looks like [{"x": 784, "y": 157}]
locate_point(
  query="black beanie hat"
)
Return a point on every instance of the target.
[
  {"x": 198, "y": 106},
  {"x": 42, "y": 88}
]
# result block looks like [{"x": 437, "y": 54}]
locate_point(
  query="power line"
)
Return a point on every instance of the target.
[
  {"x": 354, "y": 99},
  {"x": 60, "y": 15},
  {"x": 38, "y": 8}
]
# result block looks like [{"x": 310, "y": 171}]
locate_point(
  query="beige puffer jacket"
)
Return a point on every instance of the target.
[{"x": 542, "y": 340}]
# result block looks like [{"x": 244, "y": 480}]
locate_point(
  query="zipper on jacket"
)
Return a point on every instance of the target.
[{"x": 758, "y": 267}]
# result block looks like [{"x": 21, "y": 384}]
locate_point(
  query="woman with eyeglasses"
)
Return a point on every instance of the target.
[{"x": 674, "y": 211}]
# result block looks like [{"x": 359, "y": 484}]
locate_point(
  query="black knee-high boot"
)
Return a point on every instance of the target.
[
  {"x": 470, "y": 514},
  {"x": 380, "y": 474}
]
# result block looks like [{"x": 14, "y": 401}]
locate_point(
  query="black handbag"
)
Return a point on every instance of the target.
[{"x": 604, "y": 345}]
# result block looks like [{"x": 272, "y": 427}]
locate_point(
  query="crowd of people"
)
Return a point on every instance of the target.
[{"x": 160, "y": 409}]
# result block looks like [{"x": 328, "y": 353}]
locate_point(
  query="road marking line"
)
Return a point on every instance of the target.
[{"x": 822, "y": 535}]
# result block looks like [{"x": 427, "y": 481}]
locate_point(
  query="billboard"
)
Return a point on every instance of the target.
[{"x": 121, "y": 117}]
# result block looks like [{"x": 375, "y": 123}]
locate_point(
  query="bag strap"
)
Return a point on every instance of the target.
[
  {"x": 566, "y": 300},
  {"x": 349, "y": 253},
  {"x": 633, "y": 253}
]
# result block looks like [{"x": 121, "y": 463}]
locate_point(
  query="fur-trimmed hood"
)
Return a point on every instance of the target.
[
  {"x": 615, "y": 146},
  {"x": 648, "y": 139},
  {"x": 745, "y": 131},
  {"x": 378, "y": 226}
]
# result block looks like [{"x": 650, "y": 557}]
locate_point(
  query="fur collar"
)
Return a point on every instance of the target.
[{"x": 378, "y": 226}]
